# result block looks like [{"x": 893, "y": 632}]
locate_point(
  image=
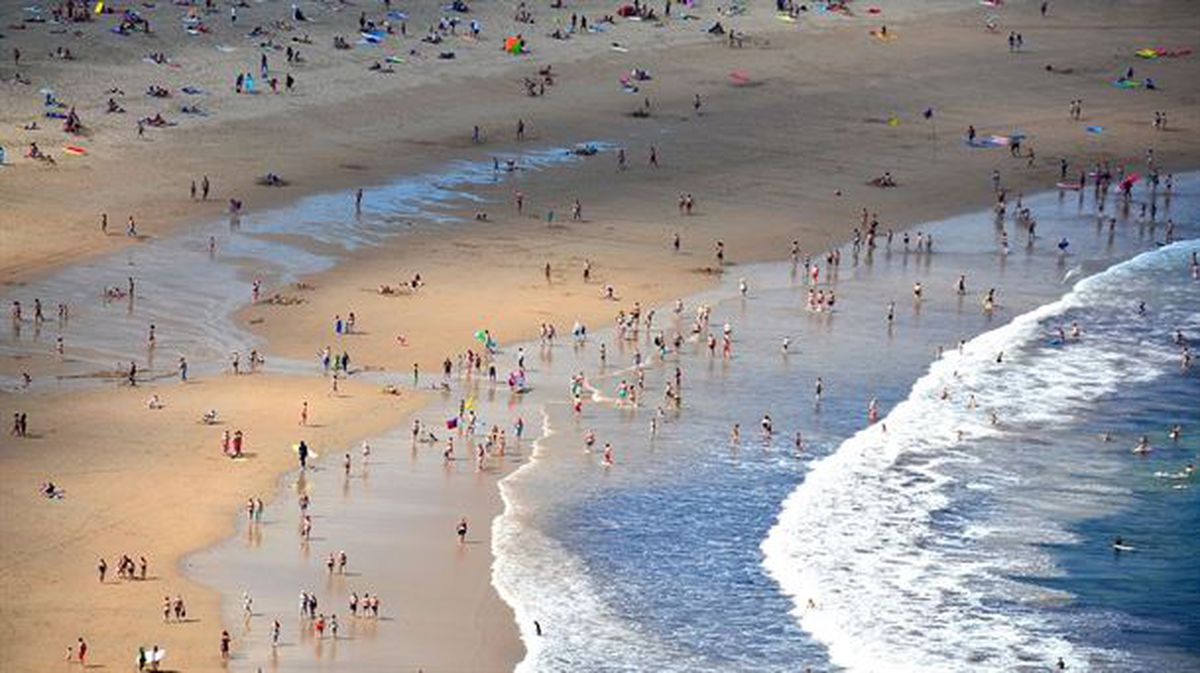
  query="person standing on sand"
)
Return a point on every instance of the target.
[
  {"x": 193, "y": 191},
  {"x": 520, "y": 129},
  {"x": 225, "y": 640},
  {"x": 304, "y": 413},
  {"x": 302, "y": 452},
  {"x": 204, "y": 189},
  {"x": 358, "y": 200},
  {"x": 653, "y": 156},
  {"x": 102, "y": 569},
  {"x": 81, "y": 651},
  {"x": 462, "y": 530}
]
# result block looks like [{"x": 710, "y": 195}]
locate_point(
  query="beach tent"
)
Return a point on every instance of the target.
[{"x": 514, "y": 44}]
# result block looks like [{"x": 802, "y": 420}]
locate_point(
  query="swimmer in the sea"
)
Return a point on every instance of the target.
[{"x": 1143, "y": 445}]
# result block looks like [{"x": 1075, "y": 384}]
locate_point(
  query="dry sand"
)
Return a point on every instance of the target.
[
  {"x": 147, "y": 482},
  {"x": 785, "y": 154}
]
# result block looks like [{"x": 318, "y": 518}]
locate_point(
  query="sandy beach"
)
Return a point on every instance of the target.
[
  {"x": 149, "y": 482},
  {"x": 789, "y": 131}
]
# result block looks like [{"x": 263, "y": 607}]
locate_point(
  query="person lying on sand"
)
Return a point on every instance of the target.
[
  {"x": 884, "y": 180},
  {"x": 157, "y": 121}
]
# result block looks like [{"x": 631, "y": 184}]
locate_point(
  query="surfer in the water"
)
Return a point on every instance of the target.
[{"x": 1143, "y": 445}]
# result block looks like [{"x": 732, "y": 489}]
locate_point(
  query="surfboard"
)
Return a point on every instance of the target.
[
  {"x": 1123, "y": 547},
  {"x": 1069, "y": 185}
]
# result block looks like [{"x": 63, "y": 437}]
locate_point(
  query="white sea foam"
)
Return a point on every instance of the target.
[
  {"x": 889, "y": 591},
  {"x": 542, "y": 581}
]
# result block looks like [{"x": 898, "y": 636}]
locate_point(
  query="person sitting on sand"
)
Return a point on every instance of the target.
[{"x": 114, "y": 108}]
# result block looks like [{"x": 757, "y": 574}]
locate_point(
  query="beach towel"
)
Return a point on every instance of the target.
[
  {"x": 1126, "y": 83},
  {"x": 988, "y": 141},
  {"x": 75, "y": 150},
  {"x": 1156, "y": 52},
  {"x": 1095, "y": 130}
]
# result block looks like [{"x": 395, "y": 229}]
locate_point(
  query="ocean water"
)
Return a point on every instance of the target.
[{"x": 949, "y": 541}]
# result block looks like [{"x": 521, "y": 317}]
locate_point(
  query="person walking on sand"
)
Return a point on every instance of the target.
[
  {"x": 462, "y": 530},
  {"x": 358, "y": 196},
  {"x": 225, "y": 640},
  {"x": 304, "y": 413},
  {"x": 204, "y": 189},
  {"x": 520, "y": 129},
  {"x": 653, "y": 156}
]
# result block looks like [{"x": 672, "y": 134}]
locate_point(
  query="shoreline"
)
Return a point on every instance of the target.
[
  {"x": 557, "y": 619},
  {"x": 626, "y": 241}
]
